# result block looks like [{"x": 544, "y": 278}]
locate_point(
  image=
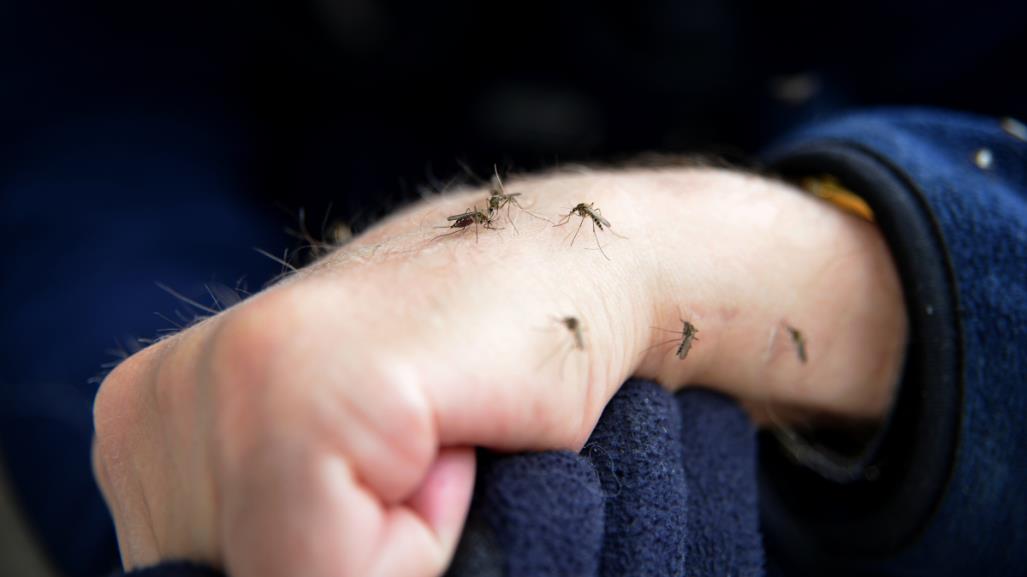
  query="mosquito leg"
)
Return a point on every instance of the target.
[
  {"x": 596, "y": 234},
  {"x": 512, "y": 223},
  {"x": 534, "y": 214},
  {"x": 445, "y": 234},
  {"x": 664, "y": 343},
  {"x": 577, "y": 230},
  {"x": 569, "y": 350}
]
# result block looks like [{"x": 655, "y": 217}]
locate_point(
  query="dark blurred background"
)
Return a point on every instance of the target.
[{"x": 159, "y": 141}]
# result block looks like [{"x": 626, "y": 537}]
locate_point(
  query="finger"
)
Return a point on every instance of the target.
[
  {"x": 298, "y": 509},
  {"x": 136, "y": 546},
  {"x": 443, "y": 499},
  {"x": 278, "y": 383},
  {"x": 302, "y": 511},
  {"x": 122, "y": 456},
  {"x": 386, "y": 427},
  {"x": 421, "y": 536}
]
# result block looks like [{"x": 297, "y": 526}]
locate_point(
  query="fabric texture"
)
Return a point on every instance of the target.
[{"x": 666, "y": 485}]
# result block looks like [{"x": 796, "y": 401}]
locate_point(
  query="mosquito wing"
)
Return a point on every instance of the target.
[
  {"x": 464, "y": 215},
  {"x": 598, "y": 218}
]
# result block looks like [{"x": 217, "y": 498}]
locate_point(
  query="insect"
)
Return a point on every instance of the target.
[
  {"x": 338, "y": 234},
  {"x": 799, "y": 340},
  {"x": 331, "y": 238},
  {"x": 467, "y": 218},
  {"x": 688, "y": 332},
  {"x": 499, "y": 198},
  {"x": 574, "y": 326},
  {"x": 687, "y": 338},
  {"x": 587, "y": 211}
]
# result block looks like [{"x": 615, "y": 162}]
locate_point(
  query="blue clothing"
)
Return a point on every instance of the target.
[
  {"x": 949, "y": 475},
  {"x": 669, "y": 486},
  {"x": 112, "y": 205},
  {"x": 666, "y": 485}
]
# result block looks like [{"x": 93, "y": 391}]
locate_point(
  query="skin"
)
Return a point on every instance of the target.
[{"x": 326, "y": 425}]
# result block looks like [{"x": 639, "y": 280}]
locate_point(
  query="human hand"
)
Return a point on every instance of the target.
[{"x": 325, "y": 426}]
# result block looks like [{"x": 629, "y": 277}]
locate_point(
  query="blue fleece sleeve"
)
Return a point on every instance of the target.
[{"x": 942, "y": 494}]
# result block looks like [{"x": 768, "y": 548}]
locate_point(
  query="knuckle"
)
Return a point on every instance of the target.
[
  {"x": 119, "y": 412},
  {"x": 236, "y": 372},
  {"x": 409, "y": 428},
  {"x": 116, "y": 403},
  {"x": 248, "y": 343},
  {"x": 270, "y": 373}
]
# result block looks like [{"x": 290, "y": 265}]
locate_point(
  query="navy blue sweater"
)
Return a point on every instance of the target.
[{"x": 672, "y": 485}]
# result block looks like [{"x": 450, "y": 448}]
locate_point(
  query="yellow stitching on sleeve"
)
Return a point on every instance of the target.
[{"x": 829, "y": 189}]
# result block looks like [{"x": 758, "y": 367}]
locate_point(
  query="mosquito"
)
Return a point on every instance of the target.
[
  {"x": 467, "y": 218},
  {"x": 685, "y": 341},
  {"x": 576, "y": 328},
  {"x": 587, "y": 211},
  {"x": 499, "y": 198},
  {"x": 331, "y": 237},
  {"x": 799, "y": 340}
]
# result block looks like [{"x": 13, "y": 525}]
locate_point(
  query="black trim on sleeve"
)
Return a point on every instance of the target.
[
  {"x": 813, "y": 519},
  {"x": 174, "y": 569}
]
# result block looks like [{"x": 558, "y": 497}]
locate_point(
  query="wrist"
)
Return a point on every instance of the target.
[{"x": 798, "y": 304}]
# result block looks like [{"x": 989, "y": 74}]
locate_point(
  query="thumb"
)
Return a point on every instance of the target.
[
  {"x": 427, "y": 528},
  {"x": 300, "y": 510}
]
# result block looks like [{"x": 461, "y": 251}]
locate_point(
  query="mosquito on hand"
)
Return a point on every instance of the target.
[
  {"x": 685, "y": 341},
  {"x": 499, "y": 198},
  {"x": 799, "y": 340},
  {"x": 467, "y": 218},
  {"x": 588, "y": 211},
  {"x": 576, "y": 328}
]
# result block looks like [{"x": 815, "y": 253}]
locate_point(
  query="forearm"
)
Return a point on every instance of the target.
[{"x": 741, "y": 257}]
